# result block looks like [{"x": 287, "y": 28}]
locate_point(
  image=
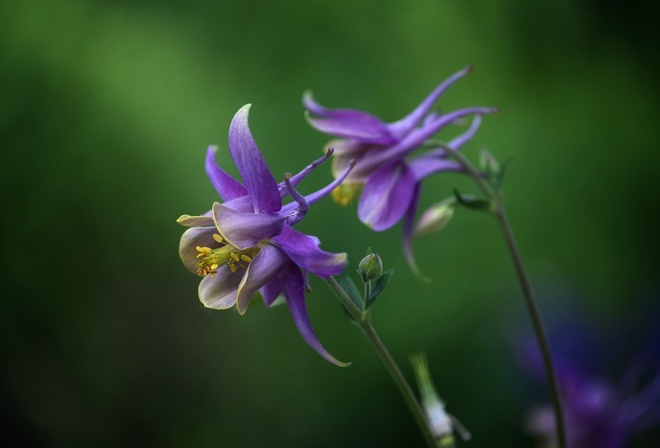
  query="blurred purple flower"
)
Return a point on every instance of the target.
[
  {"x": 598, "y": 413},
  {"x": 391, "y": 180},
  {"x": 247, "y": 244}
]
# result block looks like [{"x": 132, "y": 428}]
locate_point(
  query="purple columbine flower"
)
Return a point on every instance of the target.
[
  {"x": 247, "y": 243},
  {"x": 598, "y": 413},
  {"x": 390, "y": 177}
]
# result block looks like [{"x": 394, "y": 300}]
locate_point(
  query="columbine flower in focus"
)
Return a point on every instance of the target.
[
  {"x": 247, "y": 244},
  {"x": 598, "y": 413},
  {"x": 390, "y": 178}
]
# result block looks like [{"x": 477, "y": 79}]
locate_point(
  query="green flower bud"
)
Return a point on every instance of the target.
[
  {"x": 371, "y": 267},
  {"x": 435, "y": 218},
  {"x": 488, "y": 163},
  {"x": 492, "y": 170}
]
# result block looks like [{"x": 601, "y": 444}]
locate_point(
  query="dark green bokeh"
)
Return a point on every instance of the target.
[{"x": 106, "y": 109}]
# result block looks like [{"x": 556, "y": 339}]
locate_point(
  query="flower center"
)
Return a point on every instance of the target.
[
  {"x": 345, "y": 193},
  {"x": 212, "y": 259}
]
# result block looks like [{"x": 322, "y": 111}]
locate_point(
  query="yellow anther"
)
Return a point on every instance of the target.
[
  {"x": 210, "y": 260},
  {"x": 345, "y": 193}
]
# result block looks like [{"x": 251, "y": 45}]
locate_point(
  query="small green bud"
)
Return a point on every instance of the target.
[
  {"x": 492, "y": 170},
  {"x": 488, "y": 163},
  {"x": 371, "y": 267},
  {"x": 435, "y": 218}
]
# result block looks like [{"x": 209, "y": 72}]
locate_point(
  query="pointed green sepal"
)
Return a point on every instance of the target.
[
  {"x": 497, "y": 183},
  {"x": 379, "y": 287},
  {"x": 488, "y": 163},
  {"x": 473, "y": 202},
  {"x": 492, "y": 170},
  {"x": 348, "y": 285}
]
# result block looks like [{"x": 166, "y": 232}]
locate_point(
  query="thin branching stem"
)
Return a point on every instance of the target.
[
  {"x": 362, "y": 321},
  {"x": 367, "y": 294},
  {"x": 528, "y": 294}
]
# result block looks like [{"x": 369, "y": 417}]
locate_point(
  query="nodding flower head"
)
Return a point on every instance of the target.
[
  {"x": 247, "y": 244},
  {"x": 389, "y": 162}
]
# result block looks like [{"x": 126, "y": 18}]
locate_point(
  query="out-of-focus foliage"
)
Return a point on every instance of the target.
[{"x": 106, "y": 109}]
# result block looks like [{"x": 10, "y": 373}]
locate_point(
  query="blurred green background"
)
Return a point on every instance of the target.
[{"x": 106, "y": 110}]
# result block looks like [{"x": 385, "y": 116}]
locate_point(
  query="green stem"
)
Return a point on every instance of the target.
[
  {"x": 369, "y": 331},
  {"x": 528, "y": 293},
  {"x": 537, "y": 322}
]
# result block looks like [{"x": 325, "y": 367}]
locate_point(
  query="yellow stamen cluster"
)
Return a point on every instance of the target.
[
  {"x": 345, "y": 193},
  {"x": 212, "y": 259}
]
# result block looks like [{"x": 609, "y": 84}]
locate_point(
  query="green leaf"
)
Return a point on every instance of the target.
[
  {"x": 488, "y": 163},
  {"x": 497, "y": 181},
  {"x": 492, "y": 170},
  {"x": 347, "y": 284},
  {"x": 473, "y": 202},
  {"x": 379, "y": 287}
]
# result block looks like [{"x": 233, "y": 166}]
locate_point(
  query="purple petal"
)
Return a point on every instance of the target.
[
  {"x": 345, "y": 146},
  {"x": 265, "y": 266},
  {"x": 424, "y": 166},
  {"x": 245, "y": 230},
  {"x": 319, "y": 194},
  {"x": 386, "y": 196},
  {"x": 294, "y": 292},
  {"x": 302, "y": 207},
  {"x": 407, "y": 233},
  {"x": 459, "y": 141},
  {"x": 415, "y": 139},
  {"x": 349, "y": 123},
  {"x": 403, "y": 126},
  {"x": 191, "y": 238},
  {"x": 341, "y": 162},
  {"x": 295, "y": 180},
  {"x": 227, "y": 187},
  {"x": 220, "y": 291},
  {"x": 356, "y": 125},
  {"x": 311, "y": 105},
  {"x": 242, "y": 204},
  {"x": 271, "y": 291},
  {"x": 434, "y": 126},
  {"x": 304, "y": 251},
  {"x": 258, "y": 179}
]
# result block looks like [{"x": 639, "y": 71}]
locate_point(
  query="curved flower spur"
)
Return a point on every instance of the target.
[
  {"x": 247, "y": 244},
  {"x": 389, "y": 176}
]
